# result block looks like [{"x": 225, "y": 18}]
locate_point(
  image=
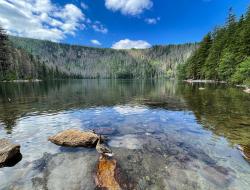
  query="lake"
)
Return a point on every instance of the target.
[{"x": 164, "y": 134}]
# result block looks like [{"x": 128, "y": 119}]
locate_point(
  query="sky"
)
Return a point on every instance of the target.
[{"x": 118, "y": 24}]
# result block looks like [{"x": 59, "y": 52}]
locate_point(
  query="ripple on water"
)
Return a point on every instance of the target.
[{"x": 159, "y": 149}]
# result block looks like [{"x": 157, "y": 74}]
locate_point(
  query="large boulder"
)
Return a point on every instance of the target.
[
  {"x": 75, "y": 138},
  {"x": 8, "y": 152},
  {"x": 245, "y": 151}
]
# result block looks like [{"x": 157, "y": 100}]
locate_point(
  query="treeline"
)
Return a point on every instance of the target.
[
  {"x": 16, "y": 63},
  {"x": 25, "y": 66},
  {"x": 224, "y": 54},
  {"x": 23, "y": 58},
  {"x": 86, "y": 62},
  {"x": 4, "y": 54}
]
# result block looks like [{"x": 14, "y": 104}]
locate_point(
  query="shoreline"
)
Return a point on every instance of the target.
[
  {"x": 204, "y": 81},
  {"x": 246, "y": 89},
  {"x": 21, "y": 81}
]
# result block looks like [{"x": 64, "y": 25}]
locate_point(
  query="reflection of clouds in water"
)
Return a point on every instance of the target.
[
  {"x": 129, "y": 110},
  {"x": 98, "y": 111},
  {"x": 33, "y": 132},
  {"x": 137, "y": 127},
  {"x": 126, "y": 141},
  {"x": 54, "y": 123}
]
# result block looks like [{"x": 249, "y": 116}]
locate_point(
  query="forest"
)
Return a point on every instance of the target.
[
  {"x": 223, "y": 55},
  {"x": 25, "y": 58}
]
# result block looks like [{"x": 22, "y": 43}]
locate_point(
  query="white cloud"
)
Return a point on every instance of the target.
[
  {"x": 98, "y": 27},
  {"x": 129, "y": 44},
  {"x": 96, "y": 42},
  {"x": 40, "y": 19},
  {"x": 152, "y": 20},
  {"x": 84, "y": 5},
  {"x": 129, "y": 7}
]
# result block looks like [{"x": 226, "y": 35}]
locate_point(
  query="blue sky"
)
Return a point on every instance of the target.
[{"x": 116, "y": 23}]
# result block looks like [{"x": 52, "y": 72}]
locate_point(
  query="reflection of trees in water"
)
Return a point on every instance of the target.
[
  {"x": 224, "y": 110},
  {"x": 54, "y": 96}
]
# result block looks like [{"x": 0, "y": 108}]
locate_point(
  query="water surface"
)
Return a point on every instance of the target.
[{"x": 165, "y": 135}]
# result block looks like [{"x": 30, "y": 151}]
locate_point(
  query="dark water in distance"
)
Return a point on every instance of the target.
[{"x": 165, "y": 135}]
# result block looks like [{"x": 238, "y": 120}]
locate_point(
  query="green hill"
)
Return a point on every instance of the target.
[{"x": 31, "y": 58}]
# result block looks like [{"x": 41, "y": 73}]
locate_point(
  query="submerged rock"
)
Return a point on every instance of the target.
[
  {"x": 75, "y": 138},
  {"x": 105, "y": 175},
  {"x": 9, "y": 153},
  {"x": 110, "y": 176},
  {"x": 245, "y": 151},
  {"x": 218, "y": 175},
  {"x": 105, "y": 130},
  {"x": 60, "y": 171},
  {"x": 127, "y": 141},
  {"x": 63, "y": 171}
]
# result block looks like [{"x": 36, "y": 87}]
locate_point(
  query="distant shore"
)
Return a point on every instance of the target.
[
  {"x": 17, "y": 81},
  {"x": 204, "y": 81}
]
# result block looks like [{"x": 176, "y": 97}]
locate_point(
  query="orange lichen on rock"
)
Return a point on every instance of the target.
[{"x": 105, "y": 176}]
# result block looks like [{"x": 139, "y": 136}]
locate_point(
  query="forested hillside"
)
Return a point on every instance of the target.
[
  {"x": 32, "y": 58},
  {"x": 224, "y": 54}
]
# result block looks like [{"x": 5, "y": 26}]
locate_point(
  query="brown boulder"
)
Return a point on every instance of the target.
[
  {"x": 245, "y": 151},
  {"x": 105, "y": 176},
  {"x": 75, "y": 138},
  {"x": 8, "y": 151}
]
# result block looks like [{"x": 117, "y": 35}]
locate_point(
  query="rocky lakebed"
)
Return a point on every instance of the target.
[
  {"x": 163, "y": 135},
  {"x": 158, "y": 161}
]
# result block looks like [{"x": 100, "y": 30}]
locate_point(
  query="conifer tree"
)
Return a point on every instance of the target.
[
  {"x": 196, "y": 63},
  {"x": 246, "y": 34},
  {"x": 224, "y": 55},
  {"x": 4, "y": 54}
]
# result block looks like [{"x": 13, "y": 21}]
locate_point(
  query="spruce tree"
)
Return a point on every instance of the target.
[
  {"x": 221, "y": 54},
  {"x": 239, "y": 41},
  {"x": 4, "y": 54},
  {"x": 246, "y": 34}
]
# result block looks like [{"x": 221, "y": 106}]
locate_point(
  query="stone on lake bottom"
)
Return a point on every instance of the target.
[
  {"x": 75, "y": 138},
  {"x": 105, "y": 130},
  {"x": 105, "y": 176},
  {"x": 61, "y": 171},
  {"x": 8, "y": 152},
  {"x": 127, "y": 141},
  {"x": 218, "y": 175}
]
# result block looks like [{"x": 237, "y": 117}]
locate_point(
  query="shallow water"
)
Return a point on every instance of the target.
[{"x": 165, "y": 135}]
